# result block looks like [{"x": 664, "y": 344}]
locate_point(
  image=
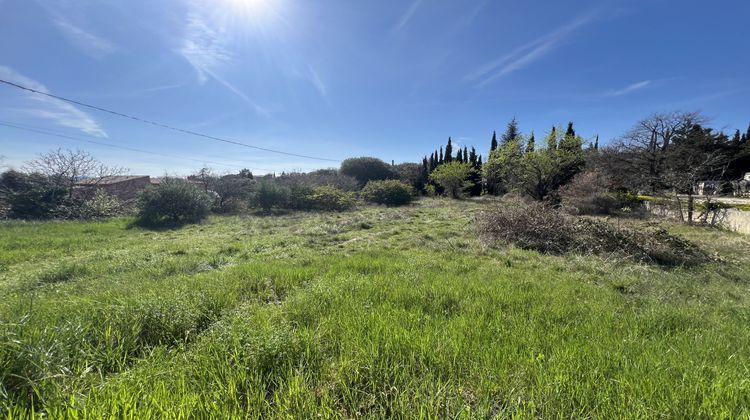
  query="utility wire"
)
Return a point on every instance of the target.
[
  {"x": 162, "y": 125},
  {"x": 132, "y": 149}
]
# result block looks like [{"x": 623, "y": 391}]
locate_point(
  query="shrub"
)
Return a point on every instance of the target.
[
  {"x": 542, "y": 228},
  {"x": 101, "y": 205},
  {"x": 33, "y": 196},
  {"x": 174, "y": 200},
  {"x": 390, "y": 192},
  {"x": 588, "y": 193},
  {"x": 331, "y": 199},
  {"x": 366, "y": 169},
  {"x": 270, "y": 195}
]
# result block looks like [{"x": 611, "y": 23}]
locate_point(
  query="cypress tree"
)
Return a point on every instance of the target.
[
  {"x": 493, "y": 145},
  {"x": 479, "y": 161},
  {"x": 737, "y": 138},
  {"x": 530, "y": 144},
  {"x": 511, "y": 133},
  {"x": 466, "y": 155},
  {"x": 473, "y": 157},
  {"x": 596, "y": 143},
  {"x": 440, "y": 160},
  {"x": 460, "y": 156},
  {"x": 448, "y": 151},
  {"x": 571, "y": 132},
  {"x": 552, "y": 139},
  {"x": 747, "y": 135}
]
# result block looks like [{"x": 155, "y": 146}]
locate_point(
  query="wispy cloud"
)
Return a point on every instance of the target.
[
  {"x": 317, "y": 82},
  {"x": 629, "y": 88},
  {"x": 55, "y": 110},
  {"x": 203, "y": 47},
  {"x": 527, "y": 53},
  {"x": 406, "y": 17},
  {"x": 208, "y": 50},
  {"x": 90, "y": 44}
]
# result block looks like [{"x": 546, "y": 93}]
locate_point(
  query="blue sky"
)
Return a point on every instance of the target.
[{"x": 342, "y": 78}]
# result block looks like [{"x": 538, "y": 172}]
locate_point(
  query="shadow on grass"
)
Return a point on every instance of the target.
[{"x": 160, "y": 225}]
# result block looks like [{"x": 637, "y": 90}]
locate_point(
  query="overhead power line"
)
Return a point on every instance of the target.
[
  {"x": 162, "y": 125},
  {"x": 132, "y": 149}
]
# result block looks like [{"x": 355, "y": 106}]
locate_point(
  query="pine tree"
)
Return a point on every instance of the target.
[
  {"x": 530, "y": 144},
  {"x": 747, "y": 135},
  {"x": 466, "y": 155},
  {"x": 571, "y": 132},
  {"x": 493, "y": 145},
  {"x": 459, "y": 156},
  {"x": 511, "y": 133},
  {"x": 448, "y": 152},
  {"x": 440, "y": 159}
]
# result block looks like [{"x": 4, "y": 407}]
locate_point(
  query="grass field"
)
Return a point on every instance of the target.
[{"x": 377, "y": 312}]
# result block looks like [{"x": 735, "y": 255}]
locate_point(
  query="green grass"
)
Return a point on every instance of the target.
[{"x": 377, "y": 312}]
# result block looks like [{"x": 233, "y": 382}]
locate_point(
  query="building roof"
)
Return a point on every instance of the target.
[{"x": 109, "y": 180}]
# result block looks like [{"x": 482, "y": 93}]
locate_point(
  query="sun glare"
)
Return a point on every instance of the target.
[{"x": 252, "y": 8}]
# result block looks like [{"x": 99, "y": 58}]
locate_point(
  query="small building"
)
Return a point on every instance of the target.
[{"x": 125, "y": 187}]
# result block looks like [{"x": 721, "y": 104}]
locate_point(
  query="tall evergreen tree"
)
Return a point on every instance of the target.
[
  {"x": 747, "y": 135},
  {"x": 448, "y": 152},
  {"x": 596, "y": 143},
  {"x": 440, "y": 159},
  {"x": 571, "y": 132},
  {"x": 493, "y": 145},
  {"x": 511, "y": 132},
  {"x": 466, "y": 155},
  {"x": 737, "y": 138},
  {"x": 473, "y": 157},
  {"x": 552, "y": 139},
  {"x": 530, "y": 144},
  {"x": 459, "y": 156}
]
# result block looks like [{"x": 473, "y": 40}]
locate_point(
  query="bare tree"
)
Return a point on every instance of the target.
[
  {"x": 696, "y": 155},
  {"x": 66, "y": 168},
  {"x": 645, "y": 147}
]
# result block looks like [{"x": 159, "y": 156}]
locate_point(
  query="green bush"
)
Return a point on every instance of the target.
[
  {"x": 33, "y": 196},
  {"x": 174, "y": 200},
  {"x": 330, "y": 198},
  {"x": 390, "y": 192},
  {"x": 270, "y": 195}
]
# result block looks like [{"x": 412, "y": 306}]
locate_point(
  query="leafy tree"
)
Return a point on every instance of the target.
[
  {"x": 453, "y": 177},
  {"x": 502, "y": 166},
  {"x": 365, "y": 169},
  {"x": 411, "y": 173}
]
